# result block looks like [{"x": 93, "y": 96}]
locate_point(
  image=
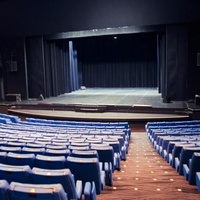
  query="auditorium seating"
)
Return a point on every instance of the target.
[
  {"x": 15, "y": 173},
  {"x": 20, "y": 191},
  {"x": 41, "y": 144},
  {"x": 20, "y": 159},
  {"x": 190, "y": 169},
  {"x": 62, "y": 176},
  {"x": 178, "y": 143},
  {"x": 91, "y": 169}
]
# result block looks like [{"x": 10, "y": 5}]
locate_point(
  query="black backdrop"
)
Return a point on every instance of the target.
[{"x": 125, "y": 61}]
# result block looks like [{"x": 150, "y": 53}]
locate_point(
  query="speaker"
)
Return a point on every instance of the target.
[
  {"x": 198, "y": 59},
  {"x": 197, "y": 99}
]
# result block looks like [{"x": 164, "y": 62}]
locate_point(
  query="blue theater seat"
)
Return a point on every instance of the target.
[
  {"x": 15, "y": 173},
  {"x": 57, "y": 152},
  {"x": 20, "y": 159},
  {"x": 20, "y": 191},
  {"x": 190, "y": 169},
  {"x": 50, "y": 162},
  {"x": 106, "y": 157},
  {"x": 184, "y": 157},
  {"x": 64, "y": 177},
  {"x": 35, "y": 150},
  {"x": 87, "y": 170},
  {"x": 10, "y": 149},
  {"x": 85, "y": 154}
]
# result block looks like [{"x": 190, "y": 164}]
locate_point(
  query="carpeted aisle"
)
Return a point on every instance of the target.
[{"x": 146, "y": 175}]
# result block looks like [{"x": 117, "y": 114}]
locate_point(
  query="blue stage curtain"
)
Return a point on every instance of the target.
[
  {"x": 73, "y": 67},
  {"x": 60, "y": 68}
]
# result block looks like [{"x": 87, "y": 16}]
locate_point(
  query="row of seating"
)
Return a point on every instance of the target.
[
  {"x": 91, "y": 152},
  {"x": 22, "y": 191},
  {"x": 178, "y": 143},
  {"x": 48, "y": 171}
]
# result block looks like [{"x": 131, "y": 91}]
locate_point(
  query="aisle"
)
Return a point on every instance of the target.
[{"x": 146, "y": 175}]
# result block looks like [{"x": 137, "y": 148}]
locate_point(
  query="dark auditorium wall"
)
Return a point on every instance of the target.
[
  {"x": 14, "y": 80},
  {"x": 194, "y": 69},
  {"x": 36, "y": 17}
]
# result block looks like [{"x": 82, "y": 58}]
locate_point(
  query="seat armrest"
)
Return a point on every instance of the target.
[
  {"x": 87, "y": 190},
  {"x": 186, "y": 171},
  {"x": 108, "y": 173},
  {"x": 117, "y": 161},
  {"x": 79, "y": 188},
  {"x": 101, "y": 166},
  {"x": 123, "y": 152},
  {"x": 90, "y": 191}
]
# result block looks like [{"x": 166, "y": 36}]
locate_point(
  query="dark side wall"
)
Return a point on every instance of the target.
[
  {"x": 14, "y": 78},
  {"x": 37, "y": 17},
  {"x": 193, "y": 83}
]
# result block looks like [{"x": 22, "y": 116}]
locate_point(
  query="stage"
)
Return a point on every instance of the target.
[{"x": 104, "y": 104}]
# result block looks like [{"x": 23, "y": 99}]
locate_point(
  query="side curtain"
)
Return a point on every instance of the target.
[{"x": 60, "y": 68}]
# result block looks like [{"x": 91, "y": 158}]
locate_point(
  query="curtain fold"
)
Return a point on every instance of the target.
[{"x": 57, "y": 68}]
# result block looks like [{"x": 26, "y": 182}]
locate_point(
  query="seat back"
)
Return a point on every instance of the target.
[
  {"x": 37, "y": 150},
  {"x": 185, "y": 155},
  {"x": 15, "y": 173},
  {"x": 10, "y": 149},
  {"x": 85, "y": 169},
  {"x": 105, "y": 152},
  {"x": 63, "y": 176},
  {"x": 194, "y": 167},
  {"x": 20, "y": 191},
  {"x": 20, "y": 159},
  {"x": 50, "y": 162},
  {"x": 85, "y": 154},
  {"x": 57, "y": 152}
]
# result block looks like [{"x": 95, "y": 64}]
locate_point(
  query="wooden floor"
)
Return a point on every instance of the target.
[
  {"x": 146, "y": 175},
  {"x": 88, "y": 116}
]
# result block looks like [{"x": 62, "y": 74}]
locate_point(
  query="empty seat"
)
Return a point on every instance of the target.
[
  {"x": 10, "y": 149},
  {"x": 85, "y": 154},
  {"x": 106, "y": 156},
  {"x": 36, "y": 150},
  {"x": 50, "y": 162},
  {"x": 87, "y": 170},
  {"x": 20, "y": 159},
  {"x": 81, "y": 148},
  {"x": 55, "y": 147},
  {"x": 185, "y": 155},
  {"x": 57, "y": 152},
  {"x": 15, "y": 173},
  {"x": 63, "y": 176},
  {"x": 16, "y": 144},
  {"x": 192, "y": 168},
  {"x": 20, "y": 191}
]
